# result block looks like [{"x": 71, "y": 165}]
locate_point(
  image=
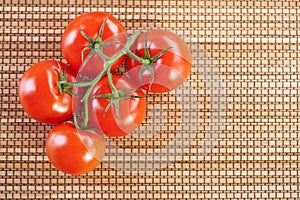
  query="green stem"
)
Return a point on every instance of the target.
[
  {"x": 131, "y": 40},
  {"x": 106, "y": 70},
  {"x": 87, "y": 94},
  {"x": 110, "y": 62},
  {"x": 111, "y": 83},
  {"x": 135, "y": 57},
  {"x": 78, "y": 84}
]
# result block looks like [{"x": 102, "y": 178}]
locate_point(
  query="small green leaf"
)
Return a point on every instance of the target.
[
  {"x": 135, "y": 57},
  {"x": 143, "y": 69},
  {"x": 87, "y": 37},
  {"x": 146, "y": 50},
  {"x": 131, "y": 96},
  {"x": 109, "y": 43},
  {"x": 116, "y": 103},
  {"x": 153, "y": 59},
  {"x": 60, "y": 74},
  {"x": 65, "y": 74},
  {"x": 87, "y": 59},
  {"x": 67, "y": 90},
  {"x": 122, "y": 92},
  {"x": 107, "y": 107},
  {"x": 100, "y": 53},
  {"x": 83, "y": 51},
  {"x": 101, "y": 30},
  {"x": 102, "y": 96},
  {"x": 152, "y": 76}
]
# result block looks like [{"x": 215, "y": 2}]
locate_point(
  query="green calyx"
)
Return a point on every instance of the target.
[
  {"x": 115, "y": 97},
  {"x": 62, "y": 83},
  {"x": 148, "y": 61},
  {"x": 95, "y": 46}
]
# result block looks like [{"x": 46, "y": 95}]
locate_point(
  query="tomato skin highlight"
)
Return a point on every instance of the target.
[
  {"x": 40, "y": 96},
  {"x": 73, "y": 42},
  {"x": 170, "y": 70},
  {"x": 132, "y": 110},
  {"x": 66, "y": 151}
]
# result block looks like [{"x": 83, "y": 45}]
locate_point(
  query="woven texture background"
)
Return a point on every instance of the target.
[{"x": 254, "y": 45}]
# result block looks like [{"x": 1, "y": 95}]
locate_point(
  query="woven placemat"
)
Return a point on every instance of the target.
[{"x": 254, "y": 50}]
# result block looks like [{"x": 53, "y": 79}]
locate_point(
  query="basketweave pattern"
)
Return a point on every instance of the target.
[{"x": 253, "y": 44}]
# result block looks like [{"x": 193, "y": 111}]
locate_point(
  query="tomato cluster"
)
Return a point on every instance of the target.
[{"x": 85, "y": 99}]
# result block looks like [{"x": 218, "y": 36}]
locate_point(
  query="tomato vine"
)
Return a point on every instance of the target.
[{"x": 94, "y": 45}]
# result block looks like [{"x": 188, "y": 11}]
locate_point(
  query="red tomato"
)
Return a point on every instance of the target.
[
  {"x": 170, "y": 70},
  {"x": 40, "y": 96},
  {"x": 74, "y": 151},
  {"x": 90, "y": 23},
  {"x": 132, "y": 111}
]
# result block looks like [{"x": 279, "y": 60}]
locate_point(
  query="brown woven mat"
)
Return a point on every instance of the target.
[{"x": 253, "y": 49}]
